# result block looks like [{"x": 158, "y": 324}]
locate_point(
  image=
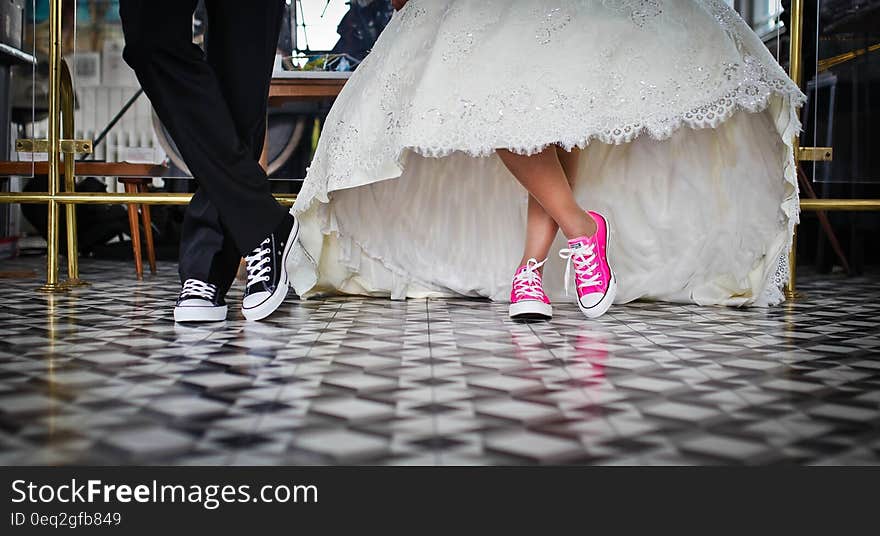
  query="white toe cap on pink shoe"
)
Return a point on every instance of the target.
[
  {"x": 596, "y": 304},
  {"x": 591, "y": 300}
]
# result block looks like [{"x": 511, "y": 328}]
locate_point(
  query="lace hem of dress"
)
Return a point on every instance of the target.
[
  {"x": 788, "y": 123},
  {"x": 709, "y": 115}
]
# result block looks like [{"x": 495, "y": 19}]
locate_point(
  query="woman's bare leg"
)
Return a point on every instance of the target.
[
  {"x": 551, "y": 201},
  {"x": 541, "y": 229},
  {"x": 569, "y": 161}
]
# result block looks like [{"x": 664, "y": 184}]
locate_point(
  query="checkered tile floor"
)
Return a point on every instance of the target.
[{"x": 102, "y": 375}]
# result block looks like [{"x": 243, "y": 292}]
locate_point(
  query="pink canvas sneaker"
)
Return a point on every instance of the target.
[
  {"x": 596, "y": 285},
  {"x": 527, "y": 298}
]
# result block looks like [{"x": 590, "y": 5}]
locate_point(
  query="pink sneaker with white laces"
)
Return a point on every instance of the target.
[
  {"x": 593, "y": 277},
  {"x": 527, "y": 298}
]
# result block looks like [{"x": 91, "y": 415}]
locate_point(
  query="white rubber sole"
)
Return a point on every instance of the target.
[
  {"x": 200, "y": 314},
  {"x": 274, "y": 301},
  {"x": 530, "y": 310}
]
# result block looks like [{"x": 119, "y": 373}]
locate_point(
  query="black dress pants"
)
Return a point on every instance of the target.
[{"x": 214, "y": 106}]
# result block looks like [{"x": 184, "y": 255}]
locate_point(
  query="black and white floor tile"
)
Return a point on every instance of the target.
[{"x": 102, "y": 375}]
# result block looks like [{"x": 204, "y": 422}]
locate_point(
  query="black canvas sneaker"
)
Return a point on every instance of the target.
[
  {"x": 267, "y": 278},
  {"x": 199, "y": 302}
]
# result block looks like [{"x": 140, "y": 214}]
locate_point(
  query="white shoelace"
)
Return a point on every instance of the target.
[
  {"x": 584, "y": 260},
  {"x": 258, "y": 264},
  {"x": 197, "y": 288},
  {"x": 527, "y": 283}
]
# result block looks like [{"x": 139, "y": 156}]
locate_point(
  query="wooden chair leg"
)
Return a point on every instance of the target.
[
  {"x": 148, "y": 232},
  {"x": 134, "y": 231}
]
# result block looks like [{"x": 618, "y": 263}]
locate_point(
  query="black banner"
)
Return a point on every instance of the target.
[{"x": 131, "y": 500}]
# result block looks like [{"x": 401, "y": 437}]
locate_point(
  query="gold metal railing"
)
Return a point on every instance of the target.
[
  {"x": 92, "y": 198},
  {"x": 52, "y": 284},
  {"x": 67, "y": 131},
  {"x": 848, "y": 205},
  {"x": 795, "y": 72},
  {"x": 812, "y": 153}
]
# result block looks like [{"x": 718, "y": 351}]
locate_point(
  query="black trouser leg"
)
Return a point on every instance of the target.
[
  {"x": 207, "y": 249},
  {"x": 215, "y": 110}
]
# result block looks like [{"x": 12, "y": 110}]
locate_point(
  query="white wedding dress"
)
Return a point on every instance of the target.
[{"x": 685, "y": 119}]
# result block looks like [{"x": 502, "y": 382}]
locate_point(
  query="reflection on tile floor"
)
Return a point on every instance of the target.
[{"x": 103, "y": 376}]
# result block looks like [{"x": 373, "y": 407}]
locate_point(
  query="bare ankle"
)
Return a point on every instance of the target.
[
  {"x": 584, "y": 226},
  {"x": 528, "y": 258}
]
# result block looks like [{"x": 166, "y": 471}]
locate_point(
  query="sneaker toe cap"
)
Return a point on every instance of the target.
[
  {"x": 195, "y": 302},
  {"x": 254, "y": 300},
  {"x": 592, "y": 299}
]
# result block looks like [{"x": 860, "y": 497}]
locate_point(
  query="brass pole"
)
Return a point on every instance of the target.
[
  {"x": 833, "y": 61},
  {"x": 54, "y": 145},
  {"x": 96, "y": 198},
  {"x": 841, "y": 204},
  {"x": 67, "y": 127},
  {"x": 795, "y": 72}
]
